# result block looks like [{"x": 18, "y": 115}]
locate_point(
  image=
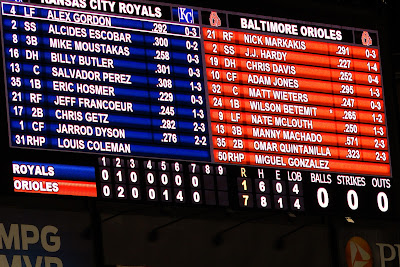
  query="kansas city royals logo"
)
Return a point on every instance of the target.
[{"x": 185, "y": 15}]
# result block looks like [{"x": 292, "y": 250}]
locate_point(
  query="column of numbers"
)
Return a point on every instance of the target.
[
  {"x": 24, "y": 80},
  {"x": 256, "y": 189}
]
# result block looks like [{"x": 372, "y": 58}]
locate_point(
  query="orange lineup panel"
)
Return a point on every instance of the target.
[
  {"x": 304, "y": 163},
  {"x": 260, "y": 92},
  {"x": 71, "y": 188},
  {"x": 293, "y": 44},
  {"x": 258, "y": 103}
]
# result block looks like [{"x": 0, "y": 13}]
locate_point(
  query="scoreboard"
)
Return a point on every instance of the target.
[{"x": 154, "y": 103}]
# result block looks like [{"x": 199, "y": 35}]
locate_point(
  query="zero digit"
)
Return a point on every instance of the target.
[
  {"x": 352, "y": 199},
  {"x": 151, "y": 193},
  {"x": 135, "y": 193},
  {"x": 106, "y": 191},
  {"x": 323, "y": 197},
  {"x": 105, "y": 174},
  {"x": 196, "y": 197},
  {"x": 383, "y": 201}
]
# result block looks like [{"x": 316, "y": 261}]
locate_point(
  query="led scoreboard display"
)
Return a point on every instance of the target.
[{"x": 191, "y": 106}]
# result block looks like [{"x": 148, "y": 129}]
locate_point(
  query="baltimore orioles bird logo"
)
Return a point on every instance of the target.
[
  {"x": 215, "y": 21},
  {"x": 366, "y": 39}
]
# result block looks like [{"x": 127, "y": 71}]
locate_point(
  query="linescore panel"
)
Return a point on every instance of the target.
[
  {"x": 190, "y": 106},
  {"x": 204, "y": 184}
]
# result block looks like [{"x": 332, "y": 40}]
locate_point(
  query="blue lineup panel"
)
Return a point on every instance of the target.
[{"x": 80, "y": 81}]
